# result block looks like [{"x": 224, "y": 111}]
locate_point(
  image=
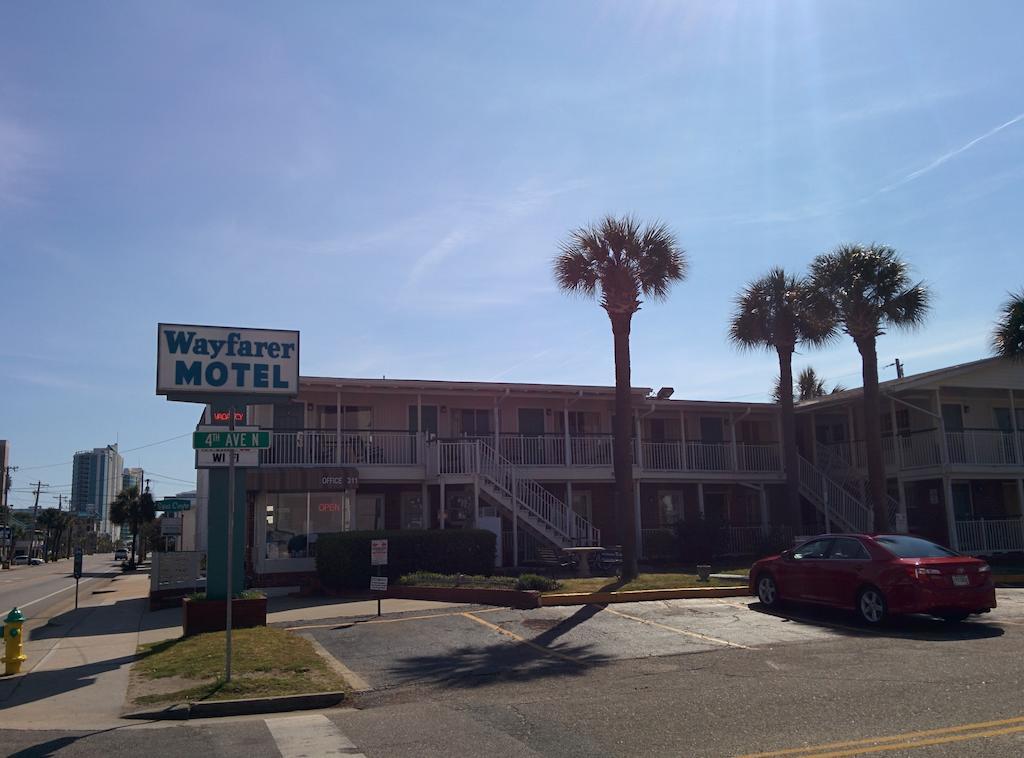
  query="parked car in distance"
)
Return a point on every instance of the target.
[
  {"x": 21, "y": 560},
  {"x": 876, "y": 576},
  {"x": 36, "y": 562},
  {"x": 120, "y": 554}
]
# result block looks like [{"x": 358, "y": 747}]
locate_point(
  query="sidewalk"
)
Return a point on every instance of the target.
[{"x": 77, "y": 672}]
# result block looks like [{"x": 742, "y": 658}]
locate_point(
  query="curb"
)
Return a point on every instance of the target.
[
  {"x": 522, "y": 599},
  {"x": 635, "y": 596},
  {"x": 244, "y": 707},
  {"x": 1001, "y": 579}
]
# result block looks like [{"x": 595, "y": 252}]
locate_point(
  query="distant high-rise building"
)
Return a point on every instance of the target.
[
  {"x": 133, "y": 477},
  {"x": 96, "y": 478}
]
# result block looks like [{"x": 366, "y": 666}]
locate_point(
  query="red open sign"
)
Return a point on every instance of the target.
[{"x": 329, "y": 508}]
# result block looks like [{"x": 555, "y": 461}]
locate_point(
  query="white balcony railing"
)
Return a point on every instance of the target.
[
  {"x": 758, "y": 457},
  {"x": 318, "y": 448},
  {"x": 987, "y": 447},
  {"x": 990, "y": 535},
  {"x": 592, "y": 450},
  {"x": 664, "y": 456},
  {"x": 547, "y": 450},
  {"x": 708, "y": 456}
]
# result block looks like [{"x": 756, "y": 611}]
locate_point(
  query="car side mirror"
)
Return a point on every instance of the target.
[{"x": 787, "y": 555}]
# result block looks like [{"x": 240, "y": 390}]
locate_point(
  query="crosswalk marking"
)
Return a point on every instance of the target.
[{"x": 313, "y": 736}]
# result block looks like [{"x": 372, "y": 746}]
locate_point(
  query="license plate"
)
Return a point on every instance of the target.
[{"x": 961, "y": 580}]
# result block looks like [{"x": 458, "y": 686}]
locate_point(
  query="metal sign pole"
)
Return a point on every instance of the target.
[{"x": 231, "y": 539}]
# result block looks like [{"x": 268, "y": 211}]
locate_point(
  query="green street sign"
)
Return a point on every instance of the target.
[
  {"x": 169, "y": 504},
  {"x": 230, "y": 440}
]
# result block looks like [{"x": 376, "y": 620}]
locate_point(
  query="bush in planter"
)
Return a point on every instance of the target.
[
  {"x": 536, "y": 582},
  {"x": 699, "y": 540},
  {"x": 343, "y": 558}
]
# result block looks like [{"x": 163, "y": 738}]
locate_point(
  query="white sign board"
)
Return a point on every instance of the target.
[
  {"x": 220, "y": 458},
  {"x": 224, "y": 360},
  {"x": 378, "y": 583},
  {"x": 170, "y": 527},
  {"x": 378, "y": 552}
]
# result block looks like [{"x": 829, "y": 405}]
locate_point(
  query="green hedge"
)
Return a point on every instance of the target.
[{"x": 343, "y": 559}]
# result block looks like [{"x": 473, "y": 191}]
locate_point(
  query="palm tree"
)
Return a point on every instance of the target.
[
  {"x": 808, "y": 386},
  {"x": 778, "y": 312},
  {"x": 133, "y": 509},
  {"x": 618, "y": 261},
  {"x": 1008, "y": 334},
  {"x": 868, "y": 289}
]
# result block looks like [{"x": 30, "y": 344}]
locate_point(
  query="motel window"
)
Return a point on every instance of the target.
[
  {"x": 369, "y": 512},
  {"x": 295, "y": 520},
  {"x": 412, "y": 511},
  {"x": 582, "y": 505},
  {"x": 356, "y": 417},
  {"x": 472, "y": 422},
  {"x": 902, "y": 422},
  {"x": 580, "y": 422}
]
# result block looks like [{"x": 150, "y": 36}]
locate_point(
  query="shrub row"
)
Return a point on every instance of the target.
[{"x": 343, "y": 559}]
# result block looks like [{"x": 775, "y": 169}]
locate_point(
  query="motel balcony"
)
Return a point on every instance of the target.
[
  {"x": 932, "y": 448},
  {"x": 317, "y": 447}
]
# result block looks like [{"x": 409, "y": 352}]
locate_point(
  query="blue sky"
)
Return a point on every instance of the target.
[{"x": 393, "y": 180}]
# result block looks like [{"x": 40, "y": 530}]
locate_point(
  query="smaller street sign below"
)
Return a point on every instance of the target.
[
  {"x": 378, "y": 583},
  {"x": 228, "y": 440},
  {"x": 170, "y": 504}
]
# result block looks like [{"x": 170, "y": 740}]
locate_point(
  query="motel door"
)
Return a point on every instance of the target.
[{"x": 531, "y": 432}]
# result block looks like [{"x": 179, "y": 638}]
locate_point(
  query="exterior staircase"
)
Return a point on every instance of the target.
[
  {"x": 505, "y": 485},
  {"x": 836, "y": 500}
]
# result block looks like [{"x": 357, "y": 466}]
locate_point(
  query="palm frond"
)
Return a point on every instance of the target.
[
  {"x": 1008, "y": 333},
  {"x": 618, "y": 259}
]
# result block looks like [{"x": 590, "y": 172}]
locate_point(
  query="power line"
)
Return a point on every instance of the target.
[{"x": 127, "y": 450}]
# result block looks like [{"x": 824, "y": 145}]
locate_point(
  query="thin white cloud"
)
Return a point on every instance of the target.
[
  {"x": 944, "y": 158},
  {"x": 21, "y": 151}
]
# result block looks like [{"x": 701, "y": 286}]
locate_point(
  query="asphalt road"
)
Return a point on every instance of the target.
[
  {"x": 38, "y": 589},
  {"x": 676, "y": 678}
]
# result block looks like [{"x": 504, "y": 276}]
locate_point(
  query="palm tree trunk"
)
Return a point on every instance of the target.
[
  {"x": 625, "y": 516},
  {"x": 873, "y": 433},
  {"x": 793, "y": 514}
]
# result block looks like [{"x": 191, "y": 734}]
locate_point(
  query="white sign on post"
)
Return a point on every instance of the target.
[
  {"x": 378, "y": 552},
  {"x": 224, "y": 360},
  {"x": 378, "y": 584}
]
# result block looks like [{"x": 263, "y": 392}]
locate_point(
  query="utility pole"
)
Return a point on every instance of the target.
[
  {"x": 8, "y": 542},
  {"x": 899, "y": 369},
  {"x": 35, "y": 517}
]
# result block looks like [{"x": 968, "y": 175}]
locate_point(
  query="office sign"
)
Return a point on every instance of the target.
[{"x": 223, "y": 360}]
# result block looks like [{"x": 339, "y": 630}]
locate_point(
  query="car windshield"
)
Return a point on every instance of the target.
[{"x": 913, "y": 547}]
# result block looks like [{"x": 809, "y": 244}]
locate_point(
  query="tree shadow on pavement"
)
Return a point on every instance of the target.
[
  {"x": 78, "y": 622},
  {"x": 917, "y": 627}
]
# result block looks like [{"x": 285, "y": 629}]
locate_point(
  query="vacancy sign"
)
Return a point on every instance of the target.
[{"x": 223, "y": 360}]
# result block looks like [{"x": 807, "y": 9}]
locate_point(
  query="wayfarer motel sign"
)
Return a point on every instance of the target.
[{"x": 221, "y": 360}]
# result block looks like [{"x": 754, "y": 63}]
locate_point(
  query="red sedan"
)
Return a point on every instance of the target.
[{"x": 876, "y": 575}]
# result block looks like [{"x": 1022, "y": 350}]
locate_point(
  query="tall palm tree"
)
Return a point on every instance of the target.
[
  {"x": 868, "y": 289},
  {"x": 1008, "y": 334},
  {"x": 133, "y": 509},
  {"x": 617, "y": 261},
  {"x": 778, "y": 312}
]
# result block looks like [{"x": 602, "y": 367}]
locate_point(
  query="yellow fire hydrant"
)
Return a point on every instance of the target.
[{"x": 14, "y": 648}]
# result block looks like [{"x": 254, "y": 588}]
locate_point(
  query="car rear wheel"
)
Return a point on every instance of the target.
[
  {"x": 954, "y": 618},
  {"x": 767, "y": 591},
  {"x": 871, "y": 606}
]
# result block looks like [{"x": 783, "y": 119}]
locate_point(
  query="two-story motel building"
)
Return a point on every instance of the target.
[{"x": 537, "y": 459}]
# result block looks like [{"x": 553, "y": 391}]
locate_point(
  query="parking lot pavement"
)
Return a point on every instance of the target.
[{"x": 465, "y": 645}]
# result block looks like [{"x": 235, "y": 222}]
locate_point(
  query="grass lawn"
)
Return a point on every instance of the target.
[
  {"x": 265, "y": 662},
  {"x": 659, "y": 581}
]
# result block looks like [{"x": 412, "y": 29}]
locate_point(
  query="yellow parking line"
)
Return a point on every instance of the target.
[
  {"x": 523, "y": 640},
  {"x": 686, "y": 632},
  {"x": 900, "y": 741},
  {"x": 337, "y": 624}
]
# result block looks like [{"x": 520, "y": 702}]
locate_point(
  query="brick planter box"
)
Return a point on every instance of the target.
[{"x": 198, "y": 616}]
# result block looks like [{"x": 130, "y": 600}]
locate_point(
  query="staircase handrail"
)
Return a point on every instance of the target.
[
  {"x": 840, "y": 503},
  {"x": 529, "y": 495}
]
